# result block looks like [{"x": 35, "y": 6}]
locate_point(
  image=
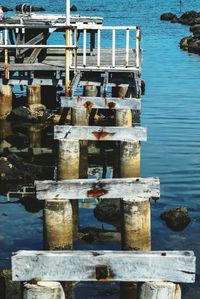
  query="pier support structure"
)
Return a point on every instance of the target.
[
  {"x": 34, "y": 94},
  {"x": 43, "y": 290},
  {"x": 5, "y": 100}
]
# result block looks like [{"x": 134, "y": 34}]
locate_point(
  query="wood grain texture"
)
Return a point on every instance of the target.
[
  {"x": 101, "y": 103},
  {"x": 100, "y": 133},
  {"x": 136, "y": 189},
  {"x": 175, "y": 266}
]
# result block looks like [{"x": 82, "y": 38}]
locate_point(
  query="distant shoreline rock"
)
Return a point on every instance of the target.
[{"x": 192, "y": 18}]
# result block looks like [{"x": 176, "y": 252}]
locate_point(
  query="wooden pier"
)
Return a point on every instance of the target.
[{"x": 97, "y": 76}]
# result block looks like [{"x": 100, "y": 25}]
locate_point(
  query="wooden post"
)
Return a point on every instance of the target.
[
  {"x": 34, "y": 94},
  {"x": 5, "y": 100},
  {"x": 159, "y": 290},
  {"x": 43, "y": 290}
]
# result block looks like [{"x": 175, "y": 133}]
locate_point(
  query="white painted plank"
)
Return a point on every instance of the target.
[
  {"x": 100, "y": 133},
  {"x": 137, "y": 189},
  {"x": 101, "y": 103},
  {"x": 172, "y": 266}
]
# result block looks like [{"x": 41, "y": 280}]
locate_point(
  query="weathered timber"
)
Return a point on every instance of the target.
[
  {"x": 175, "y": 266},
  {"x": 133, "y": 189},
  {"x": 100, "y": 103},
  {"x": 100, "y": 133},
  {"x": 160, "y": 290}
]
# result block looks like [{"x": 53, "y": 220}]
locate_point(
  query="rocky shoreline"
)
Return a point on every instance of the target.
[{"x": 191, "y": 18}]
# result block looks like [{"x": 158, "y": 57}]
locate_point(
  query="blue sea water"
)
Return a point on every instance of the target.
[{"x": 171, "y": 113}]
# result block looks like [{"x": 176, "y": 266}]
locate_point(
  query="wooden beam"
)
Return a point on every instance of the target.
[
  {"x": 100, "y": 103},
  {"x": 133, "y": 188},
  {"x": 175, "y": 266},
  {"x": 100, "y": 133}
]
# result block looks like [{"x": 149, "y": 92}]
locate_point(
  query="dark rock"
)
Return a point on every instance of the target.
[
  {"x": 18, "y": 140},
  {"x": 31, "y": 204},
  {"x": 14, "y": 169},
  {"x": 189, "y": 18},
  {"x": 142, "y": 87},
  {"x": 28, "y": 8},
  {"x": 184, "y": 42},
  {"x": 177, "y": 218},
  {"x": 195, "y": 29},
  {"x": 36, "y": 113},
  {"x": 9, "y": 289},
  {"x": 168, "y": 17},
  {"x": 108, "y": 211},
  {"x": 194, "y": 45},
  {"x": 89, "y": 238},
  {"x": 5, "y": 8},
  {"x": 73, "y": 8}
]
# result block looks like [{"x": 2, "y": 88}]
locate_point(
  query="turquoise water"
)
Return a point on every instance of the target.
[{"x": 170, "y": 111}]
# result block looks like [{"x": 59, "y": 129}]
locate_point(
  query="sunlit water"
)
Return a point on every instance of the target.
[{"x": 170, "y": 111}]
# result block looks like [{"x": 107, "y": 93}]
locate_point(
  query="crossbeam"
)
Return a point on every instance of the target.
[
  {"x": 100, "y": 133},
  {"x": 175, "y": 266},
  {"x": 101, "y": 103},
  {"x": 137, "y": 189}
]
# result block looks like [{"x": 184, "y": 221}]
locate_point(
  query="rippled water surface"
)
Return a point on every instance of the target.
[{"x": 170, "y": 111}]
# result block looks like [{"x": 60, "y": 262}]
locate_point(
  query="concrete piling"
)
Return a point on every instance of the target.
[
  {"x": 34, "y": 94},
  {"x": 43, "y": 290},
  {"x": 5, "y": 100}
]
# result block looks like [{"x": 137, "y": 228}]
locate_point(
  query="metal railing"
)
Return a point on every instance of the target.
[{"x": 113, "y": 63}]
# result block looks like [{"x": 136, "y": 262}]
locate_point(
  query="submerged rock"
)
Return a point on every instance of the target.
[
  {"x": 168, "y": 16},
  {"x": 177, "y": 218},
  {"x": 190, "y": 18},
  {"x": 73, "y": 8},
  {"x": 15, "y": 169},
  {"x": 35, "y": 113},
  {"x": 108, "y": 211}
]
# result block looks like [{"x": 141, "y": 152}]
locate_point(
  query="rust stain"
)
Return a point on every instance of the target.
[
  {"x": 101, "y": 134},
  {"x": 102, "y": 272},
  {"x": 88, "y": 105},
  {"x": 111, "y": 105},
  {"x": 96, "y": 192},
  {"x": 79, "y": 98}
]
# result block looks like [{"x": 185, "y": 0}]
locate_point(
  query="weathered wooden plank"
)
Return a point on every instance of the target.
[
  {"x": 100, "y": 133},
  {"x": 34, "y": 41},
  {"x": 134, "y": 188},
  {"x": 175, "y": 266},
  {"x": 101, "y": 103}
]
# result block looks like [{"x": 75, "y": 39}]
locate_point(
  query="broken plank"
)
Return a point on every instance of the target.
[
  {"x": 100, "y": 133},
  {"x": 137, "y": 189},
  {"x": 175, "y": 266},
  {"x": 100, "y": 103}
]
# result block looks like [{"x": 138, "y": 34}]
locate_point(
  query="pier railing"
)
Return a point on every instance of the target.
[
  {"x": 100, "y": 58},
  {"x": 113, "y": 63}
]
